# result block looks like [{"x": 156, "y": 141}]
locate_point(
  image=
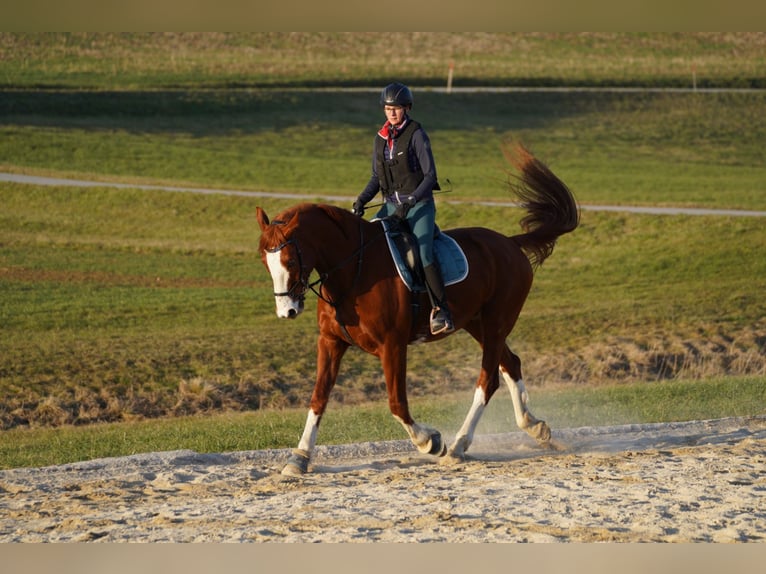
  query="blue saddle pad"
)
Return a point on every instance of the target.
[{"x": 449, "y": 255}]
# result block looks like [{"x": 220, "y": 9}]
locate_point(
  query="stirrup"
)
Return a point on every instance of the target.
[{"x": 441, "y": 322}]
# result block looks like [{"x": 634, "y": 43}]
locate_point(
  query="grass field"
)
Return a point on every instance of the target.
[
  {"x": 204, "y": 60},
  {"x": 658, "y": 149},
  {"x": 122, "y": 305}
]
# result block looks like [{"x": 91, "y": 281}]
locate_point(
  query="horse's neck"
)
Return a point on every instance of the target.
[{"x": 338, "y": 242}]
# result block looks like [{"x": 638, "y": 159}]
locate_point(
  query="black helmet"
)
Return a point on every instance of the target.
[{"x": 396, "y": 94}]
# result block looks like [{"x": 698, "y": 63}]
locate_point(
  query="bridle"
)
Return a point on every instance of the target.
[{"x": 303, "y": 281}]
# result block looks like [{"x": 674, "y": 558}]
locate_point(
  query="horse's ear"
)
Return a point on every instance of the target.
[{"x": 263, "y": 219}]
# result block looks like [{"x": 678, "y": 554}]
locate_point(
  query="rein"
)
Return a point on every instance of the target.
[{"x": 358, "y": 253}]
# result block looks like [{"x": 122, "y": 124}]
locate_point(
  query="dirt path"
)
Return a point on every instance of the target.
[
  {"x": 681, "y": 482},
  {"x": 40, "y": 180}
]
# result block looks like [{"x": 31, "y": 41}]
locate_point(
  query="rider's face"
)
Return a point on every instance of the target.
[{"x": 395, "y": 114}]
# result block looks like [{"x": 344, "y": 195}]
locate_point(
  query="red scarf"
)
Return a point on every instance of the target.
[{"x": 390, "y": 132}]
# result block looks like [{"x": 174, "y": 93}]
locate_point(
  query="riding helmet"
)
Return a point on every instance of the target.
[{"x": 396, "y": 94}]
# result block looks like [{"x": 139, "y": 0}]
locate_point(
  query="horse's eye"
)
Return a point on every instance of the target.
[{"x": 292, "y": 264}]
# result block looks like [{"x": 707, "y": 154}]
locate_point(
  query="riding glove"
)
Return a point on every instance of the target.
[
  {"x": 358, "y": 208},
  {"x": 404, "y": 207}
]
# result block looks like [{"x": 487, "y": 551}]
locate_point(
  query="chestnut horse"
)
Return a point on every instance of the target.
[{"x": 363, "y": 302}]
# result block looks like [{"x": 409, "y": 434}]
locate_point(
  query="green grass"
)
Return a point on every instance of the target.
[
  {"x": 659, "y": 149},
  {"x": 204, "y": 60},
  {"x": 110, "y": 310},
  {"x": 561, "y": 408},
  {"x": 627, "y": 275}
]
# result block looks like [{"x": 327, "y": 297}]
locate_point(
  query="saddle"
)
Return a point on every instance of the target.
[{"x": 404, "y": 251}]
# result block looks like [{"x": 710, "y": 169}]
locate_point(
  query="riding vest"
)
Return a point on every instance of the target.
[{"x": 398, "y": 174}]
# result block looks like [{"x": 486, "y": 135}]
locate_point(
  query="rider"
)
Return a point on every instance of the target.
[{"x": 403, "y": 170}]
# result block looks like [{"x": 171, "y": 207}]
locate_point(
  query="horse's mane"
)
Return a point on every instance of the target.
[{"x": 304, "y": 211}]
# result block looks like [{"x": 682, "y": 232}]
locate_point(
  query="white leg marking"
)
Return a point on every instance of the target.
[
  {"x": 537, "y": 429},
  {"x": 416, "y": 432},
  {"x": 286, "y": 306},
  {"x": 309, "y": 438},
  {"x": 518, "y": 396},
  {"x": 420, "y": 435},
  {"x": 464, "y": 436}
]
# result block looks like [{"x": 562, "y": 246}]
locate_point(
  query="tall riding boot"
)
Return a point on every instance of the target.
[{"x": 441, "y": 319}]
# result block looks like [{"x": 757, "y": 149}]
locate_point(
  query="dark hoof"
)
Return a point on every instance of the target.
[
  {"x": 297, "y": 463},
  {"x": 438, "y": 447}
]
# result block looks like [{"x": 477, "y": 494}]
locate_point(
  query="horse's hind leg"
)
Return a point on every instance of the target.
[
  {"x": 464, "y": 437},
  {"x": 510, "y": 369},
  {"x": 486, "y": 386}
]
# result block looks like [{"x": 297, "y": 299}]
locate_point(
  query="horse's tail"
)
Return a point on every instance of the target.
[{"x": 551, "y": 208}]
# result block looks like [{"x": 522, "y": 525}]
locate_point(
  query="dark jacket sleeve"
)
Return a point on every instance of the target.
[
  {"x": 421, "y": 146},
  {"x": 373, "y": 186}
]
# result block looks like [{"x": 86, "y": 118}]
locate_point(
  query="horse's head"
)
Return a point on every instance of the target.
[{"x": 288, "y": 266}]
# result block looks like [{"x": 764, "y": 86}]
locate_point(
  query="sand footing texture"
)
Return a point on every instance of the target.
[{"x": 697, "y": 481}]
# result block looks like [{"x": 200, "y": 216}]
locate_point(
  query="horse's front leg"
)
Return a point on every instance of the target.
[
  {"x": 330, "y": 351},
  {"x": 394, "y": 362}
]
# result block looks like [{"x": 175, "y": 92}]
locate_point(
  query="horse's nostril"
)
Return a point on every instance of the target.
[{"x": 292, "y": 313}]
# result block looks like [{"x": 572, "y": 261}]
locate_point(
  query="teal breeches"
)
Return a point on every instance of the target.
[{"x": 422, "y": 221}]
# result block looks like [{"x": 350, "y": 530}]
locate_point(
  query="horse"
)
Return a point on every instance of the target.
[{"x": 363, "y": 302}]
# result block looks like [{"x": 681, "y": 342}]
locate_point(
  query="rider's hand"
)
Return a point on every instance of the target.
[
  {"x": 358, "y": 208},
  {"x": 404, "y": 207}
]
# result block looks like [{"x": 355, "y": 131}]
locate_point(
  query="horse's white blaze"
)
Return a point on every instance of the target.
[
  {"x": 309, "y": 438},
  {"x": 281, "y": 279},
  {"x": 519, "y": 397}
]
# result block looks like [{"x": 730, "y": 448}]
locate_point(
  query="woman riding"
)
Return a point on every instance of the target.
[{"x": 403, "y": 170}]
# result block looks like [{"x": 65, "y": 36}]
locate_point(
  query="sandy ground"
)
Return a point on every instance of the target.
[{"x": 680, "y": 482}]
